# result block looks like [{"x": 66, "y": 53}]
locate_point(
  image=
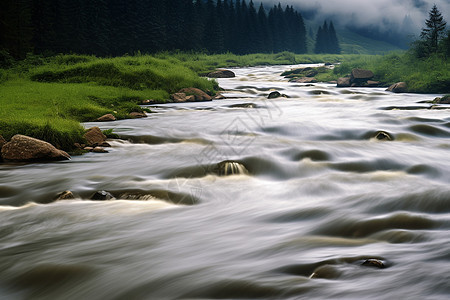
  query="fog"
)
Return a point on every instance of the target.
[{"x": 382, "y": 14}]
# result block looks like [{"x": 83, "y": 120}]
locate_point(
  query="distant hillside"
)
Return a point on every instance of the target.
[{"x": 352, "y": 42}]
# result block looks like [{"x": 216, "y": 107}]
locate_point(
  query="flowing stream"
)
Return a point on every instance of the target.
[{"x": 242, "y": 198}]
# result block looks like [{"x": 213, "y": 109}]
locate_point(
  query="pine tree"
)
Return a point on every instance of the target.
[
  {"x": 434, "y": 30},
  {"x": 334, "y": 46}
]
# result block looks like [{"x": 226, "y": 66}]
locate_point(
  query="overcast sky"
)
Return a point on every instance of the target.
[{"x": 369, "y": 12}]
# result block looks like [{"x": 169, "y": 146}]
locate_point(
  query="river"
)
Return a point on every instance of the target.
[{"x": 313, "y": 195}]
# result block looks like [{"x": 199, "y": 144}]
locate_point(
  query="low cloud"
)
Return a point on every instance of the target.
[{"x": 381, "y": 14}]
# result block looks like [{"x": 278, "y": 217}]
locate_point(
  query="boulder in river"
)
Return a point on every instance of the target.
[
  {"x": 229, "y": 167},
  {"x": 198, "y": 94},
  {"x": 221, "y": 74},
  {"x": 373, "y": 262},
  {"x": 25, "y": 148},
  {"x": 99, "y": 150},
  {"x": 106, "y": 118},
  {"x": 102, "y": 195},
  {"x": 94, "y": 136},
  {"x": 437, "y": 100},
  {"x": 383, "y": 136},
  {"x": 66, "y": 195},
  {"x": 343, "y": 82},
  {"x": 399, "y": 87},
  {"x": 137, "y": 115}
]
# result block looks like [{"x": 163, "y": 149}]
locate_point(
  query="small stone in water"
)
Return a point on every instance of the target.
[
  {"x": 66, "y": 195},
  {"x": 102, "y": 195},
  {"x": 372, "y": 262}
]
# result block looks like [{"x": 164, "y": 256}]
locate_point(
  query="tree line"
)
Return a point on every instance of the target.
[
  {"x": 326, "y": 39},
  {"x": 117, "y": 27}
]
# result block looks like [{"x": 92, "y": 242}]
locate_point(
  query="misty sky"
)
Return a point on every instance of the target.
[{"x": 369, "y": 12}]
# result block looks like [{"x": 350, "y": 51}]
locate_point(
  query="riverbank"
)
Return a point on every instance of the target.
[{"x": 48, "y": 97}]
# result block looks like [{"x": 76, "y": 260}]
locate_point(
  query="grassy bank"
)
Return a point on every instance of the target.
[
  {"x": 430, "y": 75},
  {"x": 47, "y": 97}
]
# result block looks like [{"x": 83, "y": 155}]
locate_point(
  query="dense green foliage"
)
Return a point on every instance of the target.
[
  {"x": 326, "y": 40},
  {"x": 116, "y": 27}
]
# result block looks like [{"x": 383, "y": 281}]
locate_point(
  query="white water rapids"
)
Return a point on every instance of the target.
[{"x": 314, "y": 192}]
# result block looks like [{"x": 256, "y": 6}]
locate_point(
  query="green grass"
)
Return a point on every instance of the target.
[
  {"x": 431, "y": 75},
  {"x": 48, "y": 97}
]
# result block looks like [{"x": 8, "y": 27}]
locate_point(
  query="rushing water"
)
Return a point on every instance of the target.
[{"x": 244, "y": 198}]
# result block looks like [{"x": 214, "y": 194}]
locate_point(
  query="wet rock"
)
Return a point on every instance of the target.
[
  {"x": 195, "y": 95},
  {"x": 304, "y": 80},
  {"x": 138, "y": 115},
  {"x": 221, "y": 74},
  {"x": 326, "y": 272},
  {"x": 372, "y": 262},
  {"x": 343, "y": 82},
  {"x": 383, "y": 136},
  {"x": 443, "y": 100},
  {"x": 274, "y": 94},
  {"x": 243, "y": 105},
  {"x": 137, "y": 197},
  {"x": 66, "y": 195},
  {"x": 99, "y": 150},
  {"x": 106, "y": 118},
  {"x": 229, "y": 167},
  {"x": 399, "y": 87},
  {"x": 102, "y": 195},
  {"x": 24, "y": 148},
  {"x": 88, "y": 148},
  {"x": 105, "y": 145},
  {"x": 219, "y": 97},
  {"x": 94, "y": 136}
]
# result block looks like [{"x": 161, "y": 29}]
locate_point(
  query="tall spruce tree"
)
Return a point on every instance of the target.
[{"x": 434, "y": 29}]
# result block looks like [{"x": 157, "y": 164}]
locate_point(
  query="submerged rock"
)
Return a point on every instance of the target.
[
  {"x": 94, "y": 136},
  {"x": 399, "y": 87},
  {"x": 24, "y": 148},
  {"x": 373, "y": 262},
  {"x": 229, "y": 167},
  {"x": 221, "y": 74},
  {"x": 274, "y": 95},
  {"x": 326, "y": 272},
  {"x": 102, "y": 195},
  {"x": 383, "y": 136}
]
